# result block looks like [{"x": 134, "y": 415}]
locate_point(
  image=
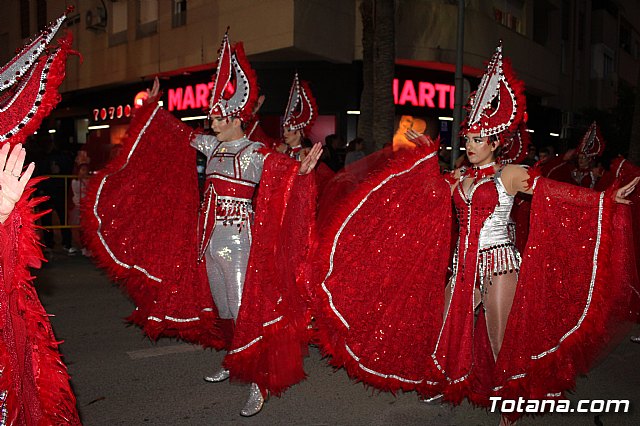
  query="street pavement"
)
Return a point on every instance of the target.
[{"x": 122, "y": 378}]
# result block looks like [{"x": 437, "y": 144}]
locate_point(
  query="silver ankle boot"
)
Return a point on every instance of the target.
[
  {"x": 254, "y": 403},
  {"x": 219, "y": 376}
]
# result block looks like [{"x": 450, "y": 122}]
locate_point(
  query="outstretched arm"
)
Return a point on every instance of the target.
[
  {"x": 516, "y": 179},
  {"x": 12, "y": 179}
]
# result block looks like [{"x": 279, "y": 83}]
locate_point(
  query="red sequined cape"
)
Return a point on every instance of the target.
[
  {"x": 34, "y": 384},
  {"x": 380, "y": 272},
  {"x": 140, "y": 222},
  {"x": 620, "y": 173}
]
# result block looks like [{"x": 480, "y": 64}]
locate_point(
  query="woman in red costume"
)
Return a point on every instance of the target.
[
  {"x": 34, "y": 384},
  {"x": 514, "y": 325},
  {"x": 620, "y": 172}
]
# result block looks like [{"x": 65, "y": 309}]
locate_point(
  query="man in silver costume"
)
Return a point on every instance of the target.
[{"x": 234, "y": 169}]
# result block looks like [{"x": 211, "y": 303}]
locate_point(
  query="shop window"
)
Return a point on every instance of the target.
[
  {"x": 625, "y": 36},
  {"x": 119, "y": 23},
  {"x": 147, "y": 18},
  {"x": 607, "y": 65},
  {"x": 179, "y": 13},
  {"x": 509, "y": 13}
]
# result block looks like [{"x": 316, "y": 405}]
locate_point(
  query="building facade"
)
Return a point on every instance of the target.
[{"x": 574, "y": 56}]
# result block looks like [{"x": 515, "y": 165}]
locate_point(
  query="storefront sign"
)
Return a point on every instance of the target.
[
  {"x": 423, "y": 94},
  {"x": 189, "y": 97},
  {"x": 112, "y": 112}
]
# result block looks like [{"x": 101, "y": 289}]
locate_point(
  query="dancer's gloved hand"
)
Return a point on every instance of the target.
[
  {"x": 311, "y": 159},
  {"x": 12, "y": 179}
]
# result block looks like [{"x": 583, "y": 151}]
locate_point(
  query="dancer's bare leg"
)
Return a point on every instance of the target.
[{"x": 497, "y": 305}]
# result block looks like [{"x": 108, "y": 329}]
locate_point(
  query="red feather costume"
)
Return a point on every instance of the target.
[
  {"x": 34, "y": 384},
  {"x": 380, "y": 312},
  {"x": 154, "y": 254},
  {"x": 153, "y": 245}
]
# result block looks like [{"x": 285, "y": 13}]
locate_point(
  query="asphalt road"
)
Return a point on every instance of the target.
[{"x": 122, "y": 378}]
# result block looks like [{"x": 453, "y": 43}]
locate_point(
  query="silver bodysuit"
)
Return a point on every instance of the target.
[
  {"x": 497, "y": 253},
  {"x": 233, "y": 171}
]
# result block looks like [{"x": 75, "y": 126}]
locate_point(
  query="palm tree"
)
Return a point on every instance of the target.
[
  {"x": 365, "y": 120},
  {"x": 377, "y": 111}
]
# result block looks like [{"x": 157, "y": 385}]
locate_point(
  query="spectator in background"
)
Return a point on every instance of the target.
[
  {"x": 78, "y": 191},
  {"x": 532, "y": 155},
  {"x": 332, "y": 156},
  {"x": 55, "y": 162},
  {"x": 355, "y": 151},
  {"x": 544, "y": 155}
]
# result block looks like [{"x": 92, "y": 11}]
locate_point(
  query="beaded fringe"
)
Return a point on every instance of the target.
[
  {"x": 233, "y": 210},
  {"x": 497, "y": 260}
]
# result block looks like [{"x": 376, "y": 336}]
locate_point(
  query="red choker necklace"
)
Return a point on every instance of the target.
[{"x": 479, "y": 172}]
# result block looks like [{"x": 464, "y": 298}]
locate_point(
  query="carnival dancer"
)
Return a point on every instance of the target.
[
  {"x": 299, "y": 116},
  {"x": 34, "y": 384},
  {"x": 545, "y": 313},
  {"x": 620, "y": 172},
  {"x": 577, "y": 166},
  {"x": 233, "y": 250}
]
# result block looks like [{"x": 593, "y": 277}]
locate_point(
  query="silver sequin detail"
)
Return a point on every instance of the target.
[
  {"x": 254, "y": 403},
  {"x": 496, "y": 246},
  {"x": 516, "y": 377},
  {"x": 257, "y": 339},
  {"x": 273, "y": 321},
  {"x": 248, "y": 345},
  {"x": 4, "y": 411},
  {"x": 620, "y": 168},
  {"x": 376, "y": 373},
  {"x": 29, "y": 55}
]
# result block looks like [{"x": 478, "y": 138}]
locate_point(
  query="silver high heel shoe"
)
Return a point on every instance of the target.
[
  {"x": 254, "y": 403},
  {"x": 219, "y": 376},
  {"x": 635, "y": 339}
]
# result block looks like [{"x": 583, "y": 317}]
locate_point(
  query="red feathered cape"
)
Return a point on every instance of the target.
[
  {"x": 375, "y": 270},
  {"x": 380, "y": 273},
  {"x": 140, "y": 221},
  {"x": 33, "y": 376}
]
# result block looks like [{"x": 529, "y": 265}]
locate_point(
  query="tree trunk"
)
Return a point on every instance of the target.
[
  {"x": 384, "y": 60},
  {"x": 365, "y": 119}
]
